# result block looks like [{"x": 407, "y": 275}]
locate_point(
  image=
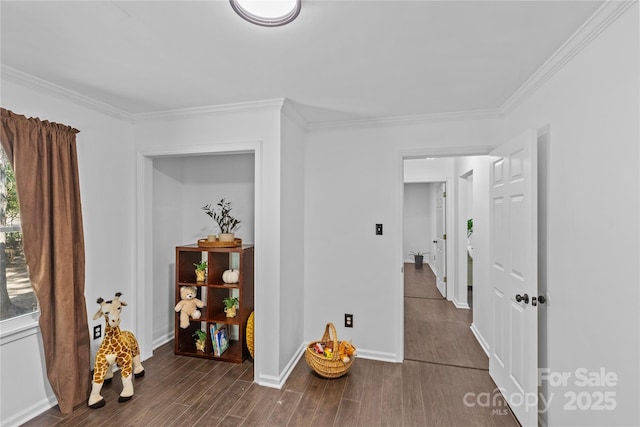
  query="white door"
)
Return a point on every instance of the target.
[
  {"x": 513, "y": 361},
  {"x": 440, "y": 241}
]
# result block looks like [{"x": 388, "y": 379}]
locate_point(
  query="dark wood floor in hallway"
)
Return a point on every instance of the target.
[
  {"x": 435, "y": 330},
  {"x": 443, "y": 382}
]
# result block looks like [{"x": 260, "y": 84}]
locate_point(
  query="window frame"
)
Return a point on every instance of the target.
[{"x": 18, "y": 327}]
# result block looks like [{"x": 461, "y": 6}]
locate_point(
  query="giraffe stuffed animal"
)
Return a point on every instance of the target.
[{"x": 117, "y": 346}]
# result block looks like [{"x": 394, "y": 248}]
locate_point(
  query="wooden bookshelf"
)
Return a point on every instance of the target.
[{"x": 212, "y": 291}]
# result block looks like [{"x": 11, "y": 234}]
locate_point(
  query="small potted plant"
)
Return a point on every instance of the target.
[
  {"x": 222, "y": 216},
  {"x": 230, "y": 306},
  {"x": 201, "y": 270},
  {"x": 418, "y": 257},
  {"x": 201, "y": 338}
]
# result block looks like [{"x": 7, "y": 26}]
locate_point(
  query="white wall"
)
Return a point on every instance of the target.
[
  {"x": 428, "y": 170},
  {"x": 592, "y": 109},
  {"x": 167, "y": 230},
  {"x": 418, "y": 215},
  {"x": 106, "y": 167},
  {"x": 292, "y": 217},
  {"x": 208, "y": 179},
  {"x": 355, "y": 180}
]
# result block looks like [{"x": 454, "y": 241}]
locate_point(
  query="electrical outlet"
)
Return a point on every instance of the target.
[
  {"x": 348, "y": 320},
  {"x": 378, "y": 229},
  {"x": 97, "y": 332}
]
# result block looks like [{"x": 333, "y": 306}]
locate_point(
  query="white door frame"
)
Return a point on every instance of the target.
[
  {"x": 441, "y": 239},
  {"x": 144, "y": 241},
  {"x": 464, "y": 188},
  {"x": 451, "y": 248}
]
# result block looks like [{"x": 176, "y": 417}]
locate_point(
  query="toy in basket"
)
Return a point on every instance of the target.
[{"x": 329, "y": 357}]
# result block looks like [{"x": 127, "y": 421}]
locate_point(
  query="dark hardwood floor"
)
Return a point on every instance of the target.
[
  {"x": 435, "y": 330},
  {"x": 444, "y": 381}
]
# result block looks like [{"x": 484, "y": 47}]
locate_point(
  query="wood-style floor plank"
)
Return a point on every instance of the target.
[
  {"x": 310, "y": 401},
  {"x": 444, "y": 372},
  {"x": 328, "y": 407},
  {"x": 413, "y": 413},
  {"x": 371, "y": 404}
]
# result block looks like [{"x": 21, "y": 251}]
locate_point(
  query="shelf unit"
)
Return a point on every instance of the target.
[{"x": 212, "y": 291}]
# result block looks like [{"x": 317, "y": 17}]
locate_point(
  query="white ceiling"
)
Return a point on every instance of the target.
[{"x": 340, "y": 60}]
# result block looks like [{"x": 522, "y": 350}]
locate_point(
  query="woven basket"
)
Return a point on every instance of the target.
[{"x": 327, "y": 368}]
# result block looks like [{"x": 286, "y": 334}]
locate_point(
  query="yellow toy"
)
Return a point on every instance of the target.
[{"x": 346, "y": 350}]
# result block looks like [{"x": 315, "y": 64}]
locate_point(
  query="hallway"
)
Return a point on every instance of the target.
[
  {"x": 438, "y": 340},
  {"x": 428, "y": 314}
]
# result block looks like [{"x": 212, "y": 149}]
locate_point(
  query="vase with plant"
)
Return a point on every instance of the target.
[
  {"x": 230, "y": 306},
  {"x": 221, "y": 214},
  {"x": 201, "y": 339},
  {"x": 418, "y": 258},
  {"x": 201, "y": 270}
]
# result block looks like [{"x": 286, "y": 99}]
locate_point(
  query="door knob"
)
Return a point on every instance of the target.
[
  {"x": 524, "y": 298},
  {"x": 541, "y": 299}
]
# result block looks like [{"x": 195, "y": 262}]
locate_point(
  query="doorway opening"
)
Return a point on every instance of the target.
[
  {"x": 448, "y": 312},
  {"x": 424, "y": 235},
  {"x": 172, "y": 188}
]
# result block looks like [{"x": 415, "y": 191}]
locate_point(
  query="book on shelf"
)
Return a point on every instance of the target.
[{"x": 219, "y": 338}]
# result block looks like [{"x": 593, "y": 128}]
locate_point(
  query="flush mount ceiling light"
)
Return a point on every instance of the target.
[{"x": 268, "y": 13}]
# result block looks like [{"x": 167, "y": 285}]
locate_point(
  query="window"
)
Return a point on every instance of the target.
[{"x": 16, "y": 294}]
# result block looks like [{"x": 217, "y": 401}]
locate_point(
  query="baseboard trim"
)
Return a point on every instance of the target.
[
  {"x": 458, "y": 304},
  {"x": 378, "y": 355},
  {"x": 483, "y": 343},
  {"x": 31, "y": 412},
  {"x": 158, "y": 342},
  {"x": 278, "y": 381}
]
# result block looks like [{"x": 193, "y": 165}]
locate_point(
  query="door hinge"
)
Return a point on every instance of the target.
[
  {"x": 445, "y": 279},
  {"x": 444, "y": 194},
  {"x": 444, "y": 237}
]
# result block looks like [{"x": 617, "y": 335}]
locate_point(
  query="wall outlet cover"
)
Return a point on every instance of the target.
[{"x": 348, "y": 320}]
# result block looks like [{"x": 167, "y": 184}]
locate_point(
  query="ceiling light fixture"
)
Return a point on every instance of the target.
[{"x": 268, "y": 13}]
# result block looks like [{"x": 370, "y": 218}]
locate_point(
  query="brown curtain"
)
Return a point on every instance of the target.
[{"x": 43, "y": 156}]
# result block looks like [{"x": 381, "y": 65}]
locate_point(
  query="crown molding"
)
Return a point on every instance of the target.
[
  {"x": 602, "y": 18},
  {"x": 24, "y": 79},
  {"x": 407, "y": 120},
  {"x": 265, "y": 105},
  {"x": 289, "y": 110}
]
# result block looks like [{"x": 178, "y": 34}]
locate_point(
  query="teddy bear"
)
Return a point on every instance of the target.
[{"x": 188, "y": 305}]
